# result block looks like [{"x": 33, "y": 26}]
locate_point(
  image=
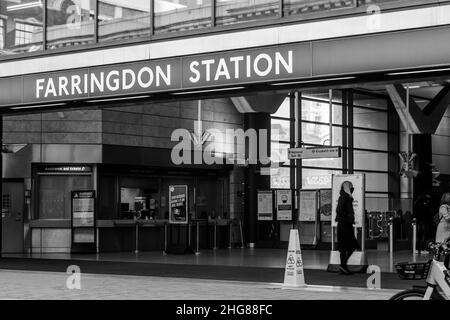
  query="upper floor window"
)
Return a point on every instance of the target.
[
  {"x": 182, "y": 15},
  {"x": 21, "y": 26},
  {"x": 70, "y": 22},
  {"x": 123, "y": 19},
  {"x": 237, "y": 11}
]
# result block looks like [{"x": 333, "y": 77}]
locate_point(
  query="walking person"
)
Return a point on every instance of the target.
[
  {"x": 345, "y": 218},
  {"x": 443, "y": 228}
]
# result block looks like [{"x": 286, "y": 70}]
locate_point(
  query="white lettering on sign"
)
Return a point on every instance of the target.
[
  {"x": 114, "y": 80},
  {"x": 314, "y": 153},
  {"x": 238, "y": 67}
]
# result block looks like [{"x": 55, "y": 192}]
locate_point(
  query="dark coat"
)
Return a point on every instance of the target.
[
  {"x": 345, "y": 217},
  {"x": 344, "y": 210}
]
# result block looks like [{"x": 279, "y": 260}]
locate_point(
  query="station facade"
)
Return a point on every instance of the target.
[{"x": 93, "y": 93}]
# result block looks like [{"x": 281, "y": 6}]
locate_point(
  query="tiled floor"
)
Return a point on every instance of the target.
[
  {"x": 269, "y": 258},
  {"x": 51, "y": 285}
]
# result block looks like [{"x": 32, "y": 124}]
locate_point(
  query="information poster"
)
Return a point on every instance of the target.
[
  {"x": 284, "y": 205},
  {"x": 325, "y": 204},
  {"x": 308, "y": 206},
  {"x": 178, "y": 204},
  {"x": 358, "y": 182},
  {"x": 83, "y": 216},
  {"x": 265, "y": 205}
]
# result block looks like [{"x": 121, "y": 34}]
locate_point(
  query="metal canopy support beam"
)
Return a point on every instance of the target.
[
  {"x": 417, "y": 120},
  {"x": 267, "y": 102}
]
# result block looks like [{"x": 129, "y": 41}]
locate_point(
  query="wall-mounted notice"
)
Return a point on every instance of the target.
[
  {"x": 358, "y": 182},
  {"x": 325, "y": 204},
  {"x": 265, "y": 205},
  {"x": 178, "y": 204},
  {"x": 83, "y": 216},
  {"x": 284, "y": 205},
  {"x": 308, "y": 206}
]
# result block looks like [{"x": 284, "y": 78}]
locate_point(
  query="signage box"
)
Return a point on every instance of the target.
[
  {"x": 83, "y": 220},
  {"x": 308, "y": 206},
  {"x": 358, "y": 181},
  {"x": 314, "y": 153},
  {"x": 265, "y": 205},
  {"x": 284, "y": 205},
  {"x": 178, "y": 204}
]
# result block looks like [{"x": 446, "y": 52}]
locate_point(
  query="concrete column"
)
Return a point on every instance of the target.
[{"x": 254, "y": 180}]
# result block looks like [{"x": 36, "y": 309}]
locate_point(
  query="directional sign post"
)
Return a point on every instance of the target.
[{"x": 314, "y": 153}]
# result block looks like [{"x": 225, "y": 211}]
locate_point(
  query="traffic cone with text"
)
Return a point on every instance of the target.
[{"x": 294, "y": 275}]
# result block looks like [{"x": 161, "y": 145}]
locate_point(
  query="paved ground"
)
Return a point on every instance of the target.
[{"x": 52, "y": 285}]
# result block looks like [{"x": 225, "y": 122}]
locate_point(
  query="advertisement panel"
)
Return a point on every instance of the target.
[
  {"x": 325, "y": 204},
  {"x": 358, "y": 181},
  {"x": 308, "y": 206},
  {"x": 265, "y": 205},
  {"x": 178, "y": 204},
  {"x": 284, "y": 205}
]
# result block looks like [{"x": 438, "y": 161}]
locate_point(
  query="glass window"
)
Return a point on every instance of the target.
[
  {"x": 280, "y": 178},
  {"x": 123, "y": 19},
  {"x": 323, "y": 162},
  {"x": 320, "y": 112},
  {"x": 55, "y": 194},
  {"x": 377, "y": 182},
  {"x": 237, "y": 11},
  {"x": 20, "y": 26},
  {"x": 313, "y": 133},
  {"x": 280, "y": 152},
  {"x": 317, "y": 179},
  {"x": 296, "y": 7},
  {"x": 366, "y": 139},
  {"x": 364, "y": 160},
  {"x": 70, "y": 23},
  {"x": 182, "y": 15},
  {"x": 280, "y": 130},
  {"x": 370, "y": 119},
  {"x": 370, "y": 101}
]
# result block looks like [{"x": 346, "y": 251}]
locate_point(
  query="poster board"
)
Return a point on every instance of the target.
[
  {"x": 83, "y": 216},
  {"x": 178, "y": 204},
  {"x": 325, "y": 204},
  {"x": 308, "y": 206},
  {"x": 358, "y": 181},
  {"x": 265, "y": 205},
  {"x": 284, "y": 205}
]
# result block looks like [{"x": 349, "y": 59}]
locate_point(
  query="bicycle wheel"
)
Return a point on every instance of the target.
[{"x": 410, "y": 294}]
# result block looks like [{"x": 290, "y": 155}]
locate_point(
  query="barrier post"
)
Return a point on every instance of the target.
[
  {"x": 414, "y": 237},
  {"x": 230, "y": 224},
  {"x": 391, "y": 236},
  {"x": 197, "y": 252},
  {"x": 136, "y": 250},
  {"x": 165, "y": 238},
  {"x": 242, "y": 235},
  {"x": 215, "y": 234}
]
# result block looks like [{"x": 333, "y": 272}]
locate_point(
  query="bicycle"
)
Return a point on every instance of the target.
[{"x": 436, "y": 274}]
